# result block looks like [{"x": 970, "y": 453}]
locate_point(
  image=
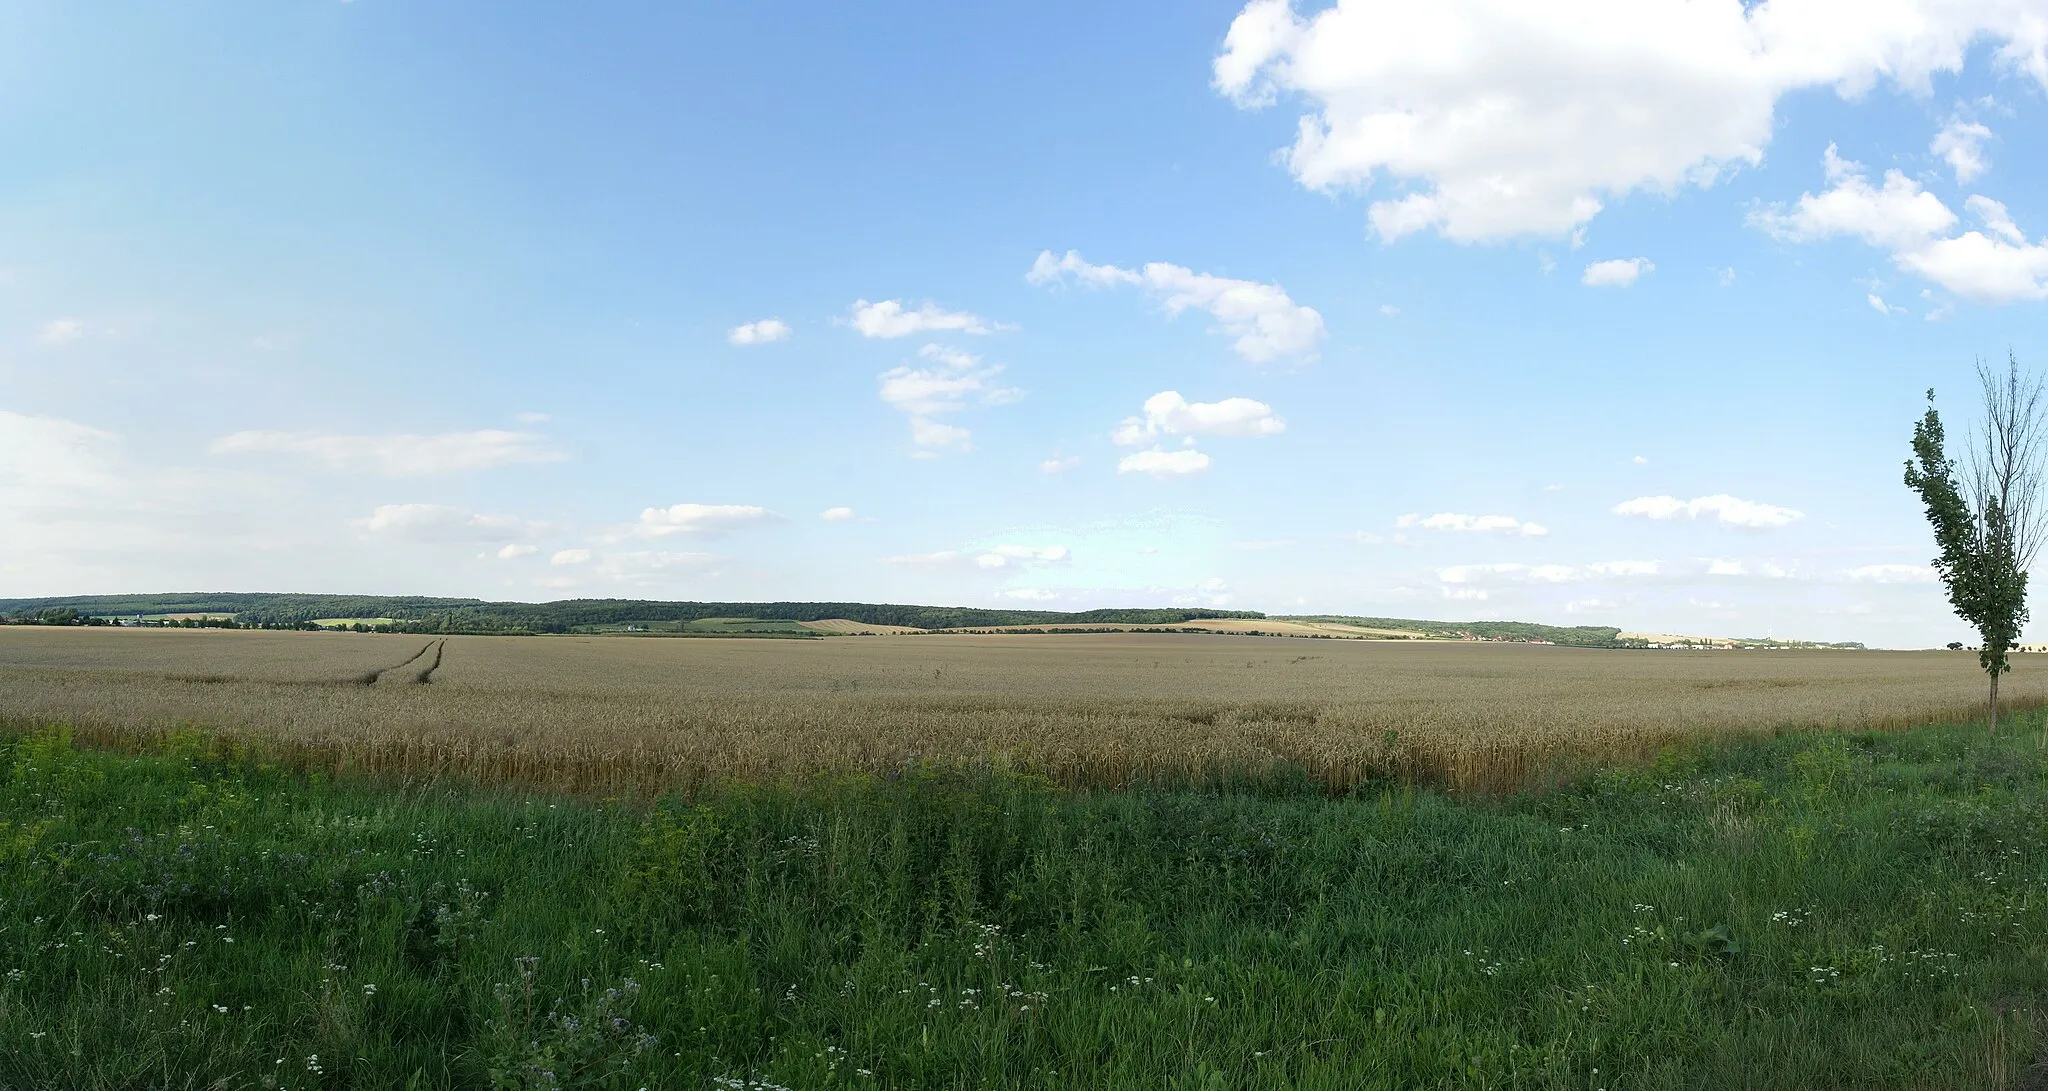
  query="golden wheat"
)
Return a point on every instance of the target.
[{"x": 622, "y": 714}]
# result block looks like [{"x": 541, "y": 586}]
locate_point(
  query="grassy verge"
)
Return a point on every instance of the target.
[{"x": 1812, "y": 911}]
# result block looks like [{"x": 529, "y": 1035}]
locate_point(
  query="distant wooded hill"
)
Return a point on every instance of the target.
[
  {"x": 1581, "y": 636},
  {"x": 443, "y": 615},
  {"x": 415, "y": 614}
]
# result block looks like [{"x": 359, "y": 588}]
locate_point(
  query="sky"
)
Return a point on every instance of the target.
[{"x": 1604, "y": 312}]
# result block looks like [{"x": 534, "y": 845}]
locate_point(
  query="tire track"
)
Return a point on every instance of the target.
[
  {"x": 425, "y": 677},
  {"x": 369, "y": 678}
]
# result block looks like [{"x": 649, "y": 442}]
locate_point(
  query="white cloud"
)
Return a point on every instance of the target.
[
  {"x": 401, "y": 455},
  {"x": 1000, "y": 557},
  {"x": 700, "y": 520},
  {"x": 932, "y": 435},
  {"x": 1511, "y": 571},
  {"x": 1506, "y": 118},
  {"x": 1028, "y": 594},
  {"x": 1014, "y": 556},
  {"x": 1168, "y": 414},
  {"x": 1725, "y": 276},
  {"x": 82, "y": 508},
  {"x": 760, "y": 333},
  {"x": 647, "y": 568},
  {"x": 1263, "y": 545},
  {"x": 1892, "y": 573},
  {"x": 836, "y": 515},
  {"x": 1617, "y": 273},
  {"x": 570, "y": 556},
  {"x": 1159, "y": 463},
  {"x": 517, "y": 550},
  {"x": 888, "y": 319},
  {"x": 1878, "y": 304},
  {"x": 444, "y": 523},
  {"x": 1517, "y": 573},
  {"x": 1993, "y": 265},
  {"x": 1640, "y": 460},
  {"x": 1212, "y": 592},
  {"x": 61, "y": 331},
  {"x": 1759, "y": 569},
  {"x": 1961, "y": 144},
  {"x": 1729, "y": 510},
  {"x": 1059, "y": 465},
  {"x": 1481, "y": 524},
  {"x": 953, "y": 381},
  {"x": 1264, "y": 321}
]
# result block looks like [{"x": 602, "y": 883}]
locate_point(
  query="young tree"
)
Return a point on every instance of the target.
[{"x": 1988, "y": 524}]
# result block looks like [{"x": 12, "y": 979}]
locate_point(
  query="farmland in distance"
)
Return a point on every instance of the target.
[{"x": 612, "y": 714}]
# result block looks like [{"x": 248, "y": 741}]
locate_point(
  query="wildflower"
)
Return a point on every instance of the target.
[{"x": 369, "y": 990}]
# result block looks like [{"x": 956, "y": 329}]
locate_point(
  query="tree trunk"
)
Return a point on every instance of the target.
[{"x": 1994, "y": 704}]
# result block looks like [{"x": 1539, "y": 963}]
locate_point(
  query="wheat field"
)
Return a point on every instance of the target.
[{"x": 629, "y": 715}]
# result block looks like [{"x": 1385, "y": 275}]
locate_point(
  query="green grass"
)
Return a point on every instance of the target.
[{"x": 1818, "y": 911}]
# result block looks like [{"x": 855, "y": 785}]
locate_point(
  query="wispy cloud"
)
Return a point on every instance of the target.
[
  {"x": 1470, "y": 524},
  {"x": 1728, "y": 510},
  {"x": 1263, "y": 321},
  {"x": 398, "y": 455},
  {"x": 890, "y": 319}
]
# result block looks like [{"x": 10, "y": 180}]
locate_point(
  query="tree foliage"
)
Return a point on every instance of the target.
[{"x": 1986, "y": 519}]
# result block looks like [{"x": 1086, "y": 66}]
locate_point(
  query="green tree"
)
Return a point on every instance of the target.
[{"x": 1986, "y": 513}]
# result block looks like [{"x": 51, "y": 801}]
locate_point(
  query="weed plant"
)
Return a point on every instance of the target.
[{"x": 1812, "y": 911}]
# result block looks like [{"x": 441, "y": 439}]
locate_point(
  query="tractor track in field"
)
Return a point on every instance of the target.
[{"x": 372, "y": 677}]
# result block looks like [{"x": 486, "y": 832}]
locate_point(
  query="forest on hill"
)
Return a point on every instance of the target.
[{"x": 452, "y": 615}]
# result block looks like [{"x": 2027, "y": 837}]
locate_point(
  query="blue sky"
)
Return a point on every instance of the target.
[{"x": 1479, "y": 311}]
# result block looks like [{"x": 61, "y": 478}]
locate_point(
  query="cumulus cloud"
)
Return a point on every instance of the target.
[
  {"x": 570, "y": 557},
  {"x": 61, "y": 331},
  {"x": 445, "y": 523},
  {"x": 1263, "y": 321},
  {"x": 759, "y": 333},
  {"x": 889, "y": 319},
  {"x": 700, "y": 520},
  {"x": 1994, "y": 264},
  {"x": 1617, "y": 273},
  {"x": 1503, "y": 118},
  {"x": 1160, "y": 463},
  {"x": 1729, "y": 510},
  {"x": 836, "y": 515},
  {"x": 1961, "y": 144},
  {"x": 399, "y": 455},
  {"x": 949, "y": 381},
  {"x": 1479, "y": 524},
  {"x": 1878, "y": 304},
  {"x": 1059, "y": 465},
  {"x": 516, "y": 550},
  {"x": 1168, "y": 414}
]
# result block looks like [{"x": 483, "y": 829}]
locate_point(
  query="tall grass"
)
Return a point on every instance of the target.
[{"x": 1814, "y": 911}]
